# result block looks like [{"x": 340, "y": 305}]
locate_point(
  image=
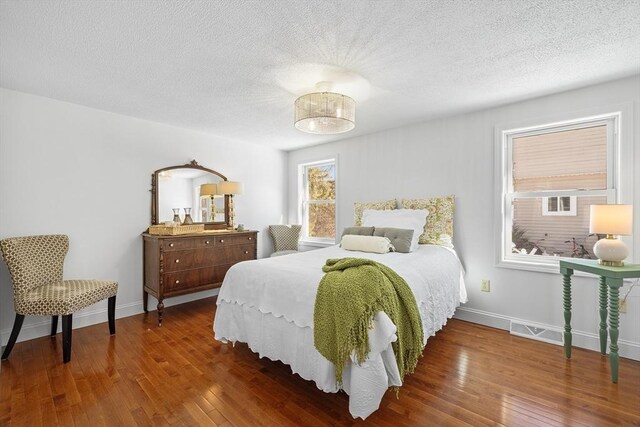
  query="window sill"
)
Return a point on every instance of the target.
[
  {"x": 317, "y": 243},
  {"x": 530, "y": 266},
  {"x": 538, "y": 267}
]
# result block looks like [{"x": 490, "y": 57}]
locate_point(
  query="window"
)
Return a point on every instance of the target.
[
  {"x": 551, "y": 174},
  {"x": 559, "y": 205},
  {"x": 318, "y": 201}
]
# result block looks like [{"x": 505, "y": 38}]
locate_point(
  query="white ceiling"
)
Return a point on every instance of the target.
[{"x": 233, "y": 68}]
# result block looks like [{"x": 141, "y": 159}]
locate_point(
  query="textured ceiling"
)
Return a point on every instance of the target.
[{"x": 233, "y": 68}]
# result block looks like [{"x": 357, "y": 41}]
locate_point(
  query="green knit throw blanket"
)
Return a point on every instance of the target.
[{"x": 351, "y": 292}]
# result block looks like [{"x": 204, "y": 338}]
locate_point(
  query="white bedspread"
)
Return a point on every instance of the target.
[{"x": 269, "y": 303}]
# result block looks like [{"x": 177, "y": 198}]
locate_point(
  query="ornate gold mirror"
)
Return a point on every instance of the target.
[{"x": 189, "y": 188}]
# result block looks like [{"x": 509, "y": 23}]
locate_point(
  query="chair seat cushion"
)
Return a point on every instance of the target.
[{"x": 64, "y": 297}]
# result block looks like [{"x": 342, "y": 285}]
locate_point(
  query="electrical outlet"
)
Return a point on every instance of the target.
[
  {"x": 622, "y": 306},
  {"x": 485, "y": 285}
]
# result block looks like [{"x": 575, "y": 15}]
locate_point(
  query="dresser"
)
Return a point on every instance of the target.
[{"x": 179, "y": 265}]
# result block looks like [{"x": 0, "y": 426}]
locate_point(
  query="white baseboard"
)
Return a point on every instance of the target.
[
  {"x": 582, "y": 339},
  {"x": 42, "y": 328}
]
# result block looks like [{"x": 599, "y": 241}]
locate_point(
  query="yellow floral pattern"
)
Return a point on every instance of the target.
[
  {"x": 359, "y": 207},
  {"x": 440, "y": 219}
]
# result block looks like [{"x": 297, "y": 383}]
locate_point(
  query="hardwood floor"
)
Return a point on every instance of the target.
[{"x": 179, "y": 375}]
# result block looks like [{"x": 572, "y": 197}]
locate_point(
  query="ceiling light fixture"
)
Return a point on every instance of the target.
[{"x": 324, "y": 112}]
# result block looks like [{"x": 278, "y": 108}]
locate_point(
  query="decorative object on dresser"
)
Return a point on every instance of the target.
[
  {"x": 187, "y": 217},
  {"x": 182, "y": 186},
  {"x": 208, "y": 207},
  {"x": 230, "y": 188},
  {"x": 36, "y": 266},
  {"x": 285, "y": 238},
  {"x": 182, "y": 259},
  {"x": 183, "y": 264}
]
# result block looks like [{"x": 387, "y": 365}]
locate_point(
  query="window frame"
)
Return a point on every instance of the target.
[
  {"x": 573, "y": 204},
  {"x": 504, "y": 136},
  {"x": 304, "y": 201}
]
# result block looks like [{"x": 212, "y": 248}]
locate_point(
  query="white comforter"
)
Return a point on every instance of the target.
[{"x": 269, "y": 303}]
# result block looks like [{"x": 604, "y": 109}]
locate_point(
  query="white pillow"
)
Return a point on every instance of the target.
[
  {"x": 375, "y": 244},
  {"x": 413, "y": 219}
]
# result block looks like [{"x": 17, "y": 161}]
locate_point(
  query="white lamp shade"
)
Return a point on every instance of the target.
[
  {"x": 208, "y": 189},
  {"x": 230, "y": 187},
  {"x": 611, "y": 219}
]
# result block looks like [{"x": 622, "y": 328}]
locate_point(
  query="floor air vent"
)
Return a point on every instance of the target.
[{"x": 536, "y": 333}]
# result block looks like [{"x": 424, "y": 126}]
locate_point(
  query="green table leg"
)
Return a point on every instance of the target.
[
  {"x": 603, "y": 315},
  {"x": 566, "y": 299},
  {"x": 614, "y": 294}
]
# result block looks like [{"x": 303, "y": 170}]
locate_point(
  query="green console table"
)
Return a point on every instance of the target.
[{"x": 611, "y": 278}]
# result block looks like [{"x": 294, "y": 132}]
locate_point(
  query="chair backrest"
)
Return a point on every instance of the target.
[
  {"x": 34, "y": 260},
  {"x": 285, "y": 237}
]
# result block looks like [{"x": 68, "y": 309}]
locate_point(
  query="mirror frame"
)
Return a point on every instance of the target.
[{"x": 192, "y": 165}]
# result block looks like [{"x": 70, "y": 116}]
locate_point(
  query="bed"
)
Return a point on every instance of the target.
[{"x": 268, "y": 304}]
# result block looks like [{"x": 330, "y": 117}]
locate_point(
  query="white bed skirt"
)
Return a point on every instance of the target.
[
  {"x": 269, "y": 305},
  {"x": 279, "y": 339}
]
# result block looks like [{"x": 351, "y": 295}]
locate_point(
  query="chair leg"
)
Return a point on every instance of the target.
[
  {"x": 17, "y": 325},
  {"x": 54, "y": 325},
  {"x": 66, "y": 337},
  {"x": 112, "y": 315}
]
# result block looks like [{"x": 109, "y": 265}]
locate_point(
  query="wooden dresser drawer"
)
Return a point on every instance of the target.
[
  {"x": 234, "y": 239},
  {"x": 187, "y": 243},
  {"x": 236, "y": 253},
  {"x": 189, "y": 258},
  {"x": 187, "y": 279}
]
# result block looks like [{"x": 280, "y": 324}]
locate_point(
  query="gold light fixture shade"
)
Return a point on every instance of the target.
[
  {"x": 325, "y": 113},
  {"x": 230, "y": 187},
  {"x": 208, "y": 189}
]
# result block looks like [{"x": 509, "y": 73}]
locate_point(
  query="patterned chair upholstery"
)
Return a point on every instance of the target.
[
  {"x": 36, "y": 267},
  {"x": 285, "y": 238}
]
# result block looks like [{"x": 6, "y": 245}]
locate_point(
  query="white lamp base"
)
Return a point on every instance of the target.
[{"x": 610, "y": 251}]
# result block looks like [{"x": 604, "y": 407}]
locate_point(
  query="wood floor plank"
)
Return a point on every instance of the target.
[{"x": 178, "y": 375}]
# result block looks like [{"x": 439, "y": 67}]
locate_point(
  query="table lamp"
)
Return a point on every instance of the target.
[
  {"x": 611, "y": 220},
  {"x": 210, "y": 190},
  {"x": 230, "y": 188}
]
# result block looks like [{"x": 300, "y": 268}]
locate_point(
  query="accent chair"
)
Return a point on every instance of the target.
[
  {"x": 285, "y": 238},
  {"x": 36, "y": 267}
]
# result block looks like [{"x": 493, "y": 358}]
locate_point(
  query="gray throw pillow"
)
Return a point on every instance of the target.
[
  {"x": 400, "y": 238},
  {"x": 358, "y": 231}
]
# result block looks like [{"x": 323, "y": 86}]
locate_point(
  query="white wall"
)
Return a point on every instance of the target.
[
  {"x": 456, "y": 156},
  {"x": 69, "y": 169}
]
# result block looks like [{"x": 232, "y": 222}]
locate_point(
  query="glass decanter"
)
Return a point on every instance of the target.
[
  {"x": 176, "y": 215},
  {"x": 187, "y": 217}
]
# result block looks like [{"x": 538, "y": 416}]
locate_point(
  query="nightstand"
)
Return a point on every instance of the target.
[{"x": 611, "y": 278}]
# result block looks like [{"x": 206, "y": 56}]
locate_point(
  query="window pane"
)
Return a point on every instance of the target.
[
  {"x": 322, "y": 182},
  {"x": 567, "y": 236},
  {"x": 565, "y": 204},
  {"x": 553, "y": 204},
  {"x": 571, "y": 159},
  {"x": 322, "y": 220}
]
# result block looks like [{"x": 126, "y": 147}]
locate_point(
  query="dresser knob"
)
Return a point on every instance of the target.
[
  {"x": 206, "y": 243},
  {"x": 221, "y": 240},
  {"x": 246, "y": 252},
  {"x": 170, "y": 245},
  {"x": 249, "y": 238},
  {"x": 177, "y": 261},
  {"x": 177, "y": 281}
]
